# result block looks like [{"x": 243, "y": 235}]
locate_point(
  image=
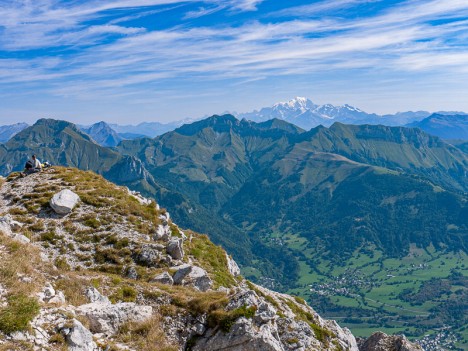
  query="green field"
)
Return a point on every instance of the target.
[{"x": 415, "y": 295}]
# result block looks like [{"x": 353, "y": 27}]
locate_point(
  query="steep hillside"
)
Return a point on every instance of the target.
[
  {"x": 103, "y": 268},
  {"x": 102, "y": 134},
  {"x": 445, "y": 126},
  {"x": 402, "y": 149}
]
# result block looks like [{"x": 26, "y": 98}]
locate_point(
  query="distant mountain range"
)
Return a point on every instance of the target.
[
  {"x": 306, "y": 114},
  {"x": 6, "y": 132},
  {"x": 444, "y": 126},
  {"x": 299, "y": 111}
]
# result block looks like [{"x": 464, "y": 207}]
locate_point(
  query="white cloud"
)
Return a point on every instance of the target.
[{"x": 403, "y": 38}]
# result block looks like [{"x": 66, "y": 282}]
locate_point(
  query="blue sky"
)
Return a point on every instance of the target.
[{"x": 128, "y": 61}]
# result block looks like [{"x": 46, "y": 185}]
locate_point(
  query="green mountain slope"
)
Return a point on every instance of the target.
[
  {"x": 326, "y": 184},
  {"x": 403, "y": 149},
  {"x": 58, "y": 142}
]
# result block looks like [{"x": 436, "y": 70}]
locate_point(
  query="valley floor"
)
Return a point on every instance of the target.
[{"x": 422, "y": 295}]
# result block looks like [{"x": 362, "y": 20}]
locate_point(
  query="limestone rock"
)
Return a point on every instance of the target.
[
  {"x": 79, "y": 338},
  {"x": 64, "y": 201},
  {"x": 187, "y": 274},
  {"x": 163, "y": 232},
  {"x": 107, "y": 318},
  {"x": 8, "y": 225},
  {"x": 232, "y": 266},
  {"x": 47, "y": 293},
  {"x": 175, "y": 249},
  {"x": 5, "y": 226},
  {"x": 243, "y": 336},
  {"x": 163, "y": 278},
  {"x": 58, "y": 299},
  {"x": 94, "y": 296},
  {"x": 148, "y": 256},
  {"x": 382, "y": 342}
]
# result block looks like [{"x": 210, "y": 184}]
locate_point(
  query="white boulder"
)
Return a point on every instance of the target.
[{"x": 64, "y": 201}]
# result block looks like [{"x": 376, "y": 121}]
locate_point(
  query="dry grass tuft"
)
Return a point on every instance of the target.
[
  {"x": 146, "y": 336},
  {"x": 19, "y": 260}
]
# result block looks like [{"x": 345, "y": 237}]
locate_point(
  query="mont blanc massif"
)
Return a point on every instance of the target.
[{"x": 330, "y": 212}]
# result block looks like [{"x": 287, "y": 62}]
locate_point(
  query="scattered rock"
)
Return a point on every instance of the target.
[
  {"x": 94, "y": 296},
  {"x": 64, "y": 201},
  {"x": 107, "y": 318},
  {"x": 163, "y": 232},
  {"x": 5, "y": 226},
  {"x": 163, "y": 278},
  {"x": 47, "y": 293},
  {"x": 132, "y": 273},
  {"x": 187, "y": 274},
  {"x": 78, "y": 338},
  {"x": 58, "y": 299},
  {"x": 175, "y": 248},
  {"x": 148, "y": 256}
]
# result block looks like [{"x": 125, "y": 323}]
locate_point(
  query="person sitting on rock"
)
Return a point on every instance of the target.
[{"x": 33, "y": 165}]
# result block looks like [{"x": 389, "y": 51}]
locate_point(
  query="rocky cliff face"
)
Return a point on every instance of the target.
[{"x": 113, "y": 272}]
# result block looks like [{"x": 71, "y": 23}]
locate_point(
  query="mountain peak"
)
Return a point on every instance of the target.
[
  {"x": 298, "y": 102},
  {"x": 217, "y": 122},
  {"x": 103, "y": 134}
]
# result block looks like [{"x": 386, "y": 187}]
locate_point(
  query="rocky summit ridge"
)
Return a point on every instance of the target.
[{"x": 111, "y": 271}]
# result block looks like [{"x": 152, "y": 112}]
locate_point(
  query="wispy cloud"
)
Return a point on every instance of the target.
[
  {"x": 115, "y": 57},
  {"x": 319, "y": 7}
]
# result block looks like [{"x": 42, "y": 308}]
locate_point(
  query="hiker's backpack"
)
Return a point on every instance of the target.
[{"x": 29, "y": 165}]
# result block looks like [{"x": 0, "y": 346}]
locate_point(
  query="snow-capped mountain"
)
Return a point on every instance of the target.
[{"x": 306, "y": 114}]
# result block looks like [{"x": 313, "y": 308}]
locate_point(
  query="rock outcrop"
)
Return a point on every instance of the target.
[
  {"x": 187, "y": 274},
  {"x": 382, "y": 342},
  {"x": 107, "y": 318}
]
